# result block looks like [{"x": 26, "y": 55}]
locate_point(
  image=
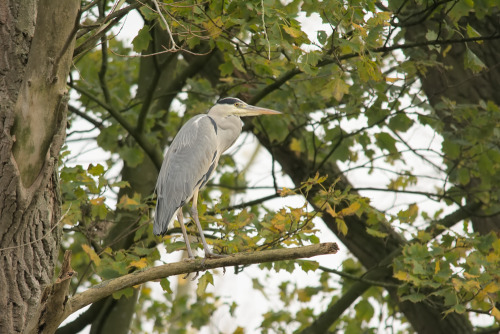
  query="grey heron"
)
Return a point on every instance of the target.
[{"x": 191, "y": 160}]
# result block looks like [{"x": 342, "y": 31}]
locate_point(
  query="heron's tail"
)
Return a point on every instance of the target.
[{"x": 164, "y": 216}]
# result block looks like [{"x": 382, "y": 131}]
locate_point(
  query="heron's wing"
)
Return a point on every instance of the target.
[{"x": 189, "y": 162}]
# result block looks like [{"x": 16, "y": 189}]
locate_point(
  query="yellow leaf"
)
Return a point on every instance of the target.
[
  {"x": 286, "y": 192},
  {"x": 97, "y": 201},
  {"x": 352, "y": 209},
  {"x": 229, "y": 80},
  {"x": 446, "y": 50},
  {"x": 330, "y": 211},
  {"x": 402, "y": 276},
  {"x": 457, "y": 284},
  {"x": 472, "y": 286},
  {"x": 146, "y": 291},
  {"x": 391, "y": 79},
  {"x": 303, "y": 296},
  {"x": 496, "y": 313},
  {"x": 295, "y": 33},
  {"x": 214, "y": 26},
  {"x": 360, "y": 28},
  {"x": 492, "y": 257},
  {"x": 437, "y": 268},
  {"x": 239, "y": 330},
  {"x": 92, "y": 254},
  {"x": 295, "y": 145},
  {"x": 470, "y": 276},
  {"x": 339, "y": 89},
  {"x": 491, "y": 288},
  {"x": 296, "y": 214},
  {"x": 126, "y": 201},
  {"x": 142, "y": 263}
]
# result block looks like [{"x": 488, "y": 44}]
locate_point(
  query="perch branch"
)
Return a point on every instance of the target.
[{"x": 107, "y": 288}]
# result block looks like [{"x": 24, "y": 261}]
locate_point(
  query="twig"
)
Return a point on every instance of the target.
[
  {"x": 359, "y": 278},
  {"x": 174, "y": 46},
  {"x": 265, "y": 30}
]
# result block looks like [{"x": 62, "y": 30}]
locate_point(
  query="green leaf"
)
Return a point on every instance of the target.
[
  {"x": 226, "y": 68},
  {"x": 308, "y": 265},
  {"x": 463, "y": 176},
  {"x": 451, "y": 149},
  {"x": 132, "y": 155},
  {"x": 165, "y": 285},
  {"x": 400, "y": 122},
  {"x": 175, "y": 246},
  {"x": 473, "y": 62},
  {"x": 471, "y": 32},
  {"x": 141, "y": 41},
  {"x": 414, "y": 297},
  {"x": 386, "y": 142},
  {"x": 431, "y": 35},
  {"x": 148, "y": 13},
  {"x": 376, "y": 233},
  {"x": 287, "y": 265},
  {"x": 120, "y": 184},
  {"x": 322, "y": 36},
  {"x": 339, "y": 88},
  {"x": 127, "y": 293},
  {"x": 341, "y": 226},
  {"x": 203, "y": 283},
  {"x": 95, "y": 170},
  {"x": 364, "y": 310}
]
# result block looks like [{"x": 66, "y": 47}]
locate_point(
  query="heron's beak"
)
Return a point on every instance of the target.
[{"x": 248, "y": 110}]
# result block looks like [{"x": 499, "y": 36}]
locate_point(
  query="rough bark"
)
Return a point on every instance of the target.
[{"x": 35, "y": 57}]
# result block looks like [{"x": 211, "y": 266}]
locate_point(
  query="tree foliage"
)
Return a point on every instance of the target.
[{"x": 355, "y": 89}]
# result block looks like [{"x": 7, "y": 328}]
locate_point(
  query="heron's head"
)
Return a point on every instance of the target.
[{"x": 233, "y": 106}]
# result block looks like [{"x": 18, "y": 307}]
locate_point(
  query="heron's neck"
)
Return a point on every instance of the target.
[{"x": 228, "y": 130}]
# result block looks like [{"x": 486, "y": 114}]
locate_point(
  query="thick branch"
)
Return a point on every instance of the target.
[
  {"x": 327, "y": 318},
  {"x": 106, "y": 288}
]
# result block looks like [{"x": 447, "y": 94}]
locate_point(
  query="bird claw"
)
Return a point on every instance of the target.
[{"x": 195, "y": 276}]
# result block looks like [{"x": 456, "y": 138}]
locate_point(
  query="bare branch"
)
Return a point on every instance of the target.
[{"x": 107, "y": 288}]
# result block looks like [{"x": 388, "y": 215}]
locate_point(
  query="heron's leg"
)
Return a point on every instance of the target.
[
  {"x": 194, "y": 214},
  {"x": 180, "y": 217}
]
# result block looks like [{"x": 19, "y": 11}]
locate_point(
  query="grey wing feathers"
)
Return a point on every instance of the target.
[{"x": 189, "y": 161}]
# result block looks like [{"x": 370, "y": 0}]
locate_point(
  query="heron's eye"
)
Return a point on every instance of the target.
[{"x": 237, "y": 104}]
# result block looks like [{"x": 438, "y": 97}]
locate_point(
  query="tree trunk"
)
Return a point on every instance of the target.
[
  {"x": 36, "y": 44},
  {"x": 457, "y": 83}
]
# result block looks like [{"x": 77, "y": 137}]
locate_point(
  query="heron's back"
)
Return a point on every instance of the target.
[{"x": 189, "y": 161}]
